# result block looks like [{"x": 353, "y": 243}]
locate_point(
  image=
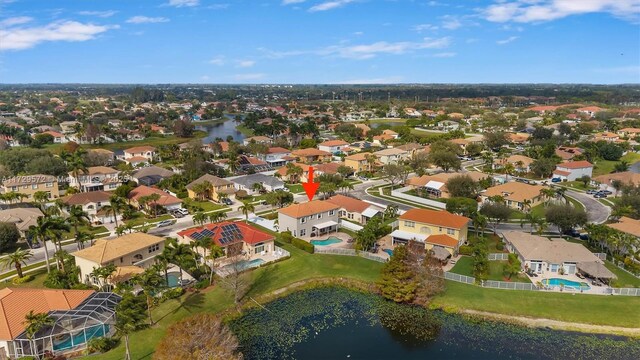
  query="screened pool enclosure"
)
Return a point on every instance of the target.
[{"x": 94, "y": 317}]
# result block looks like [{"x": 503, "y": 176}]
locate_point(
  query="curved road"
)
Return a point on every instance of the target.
[{"x": 597, "y": 212}]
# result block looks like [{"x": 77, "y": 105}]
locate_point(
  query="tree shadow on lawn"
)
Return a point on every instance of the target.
[{"x": 191, "y": 303}]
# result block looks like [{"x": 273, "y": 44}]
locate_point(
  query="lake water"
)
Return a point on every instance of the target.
[
  {"x": 335, "y": 323},
  {"x": 221, "y": 130},
  {"x": 635, "y": 167},
  {"x": 375, "y": 125}
]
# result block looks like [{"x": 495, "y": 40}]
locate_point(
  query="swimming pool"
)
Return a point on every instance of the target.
[
  {"x": 251, "y": 264},
  {"x": 566, "y": 283},
  {"x": 388, "y": 251},
  {"x": 328, "y": 241},
  {"x": 78, "y": 339},
  {"x": 173, "y": 279}
]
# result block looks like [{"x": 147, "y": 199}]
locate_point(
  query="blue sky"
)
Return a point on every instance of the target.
[{"x": 320, "y": 41}]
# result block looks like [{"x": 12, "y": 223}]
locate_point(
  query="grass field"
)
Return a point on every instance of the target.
[
  {"x": 605, "y": 166},
  {"x": 206, "y": 206},
  {"x": 142, "y": 220},
  {"x": 624, "y": 278},
  {"x": 464, "y": 266},
  {"x": 295, "y": 188},
  {"x": 38, "y": 281}
]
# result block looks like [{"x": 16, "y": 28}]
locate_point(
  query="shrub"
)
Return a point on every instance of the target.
[
  {"x": 465, "y": 250},
  {"x": 100, "y": 344},
  {"x": 201, "y": 284},
  {"x": 285, "y": 237},
  {"x": 303, "y": 245},
  {"x": 500, "y": 246},
  {"x": 25, "y": 279},
  {"x": 173, "y": 293}
]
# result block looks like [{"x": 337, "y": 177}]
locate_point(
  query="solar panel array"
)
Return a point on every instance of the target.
[{"x": 230, "y": 233}]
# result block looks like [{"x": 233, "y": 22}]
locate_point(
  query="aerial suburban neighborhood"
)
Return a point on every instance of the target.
[{"x": 165, "y": 206}]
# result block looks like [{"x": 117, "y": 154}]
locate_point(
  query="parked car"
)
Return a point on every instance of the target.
[
  {"x": 164, "y": 223},
  {"x": 363, "y": 178},
  {"x": 572, "y": 233},
  {"x": 599, "y": 195},
  {"x": 591, "y": 192},
  {"x": 227, "y": 201},
  {"x": 606, "y": 192},
  {"x": 556, "y": 180},
  {"x": 177, "y": 214},
  {"x": 584, "y": 236},
  {"x": 182, "y": 211}
]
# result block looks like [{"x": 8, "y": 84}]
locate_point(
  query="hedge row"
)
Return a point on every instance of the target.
[{"x": 286, "y": 237}]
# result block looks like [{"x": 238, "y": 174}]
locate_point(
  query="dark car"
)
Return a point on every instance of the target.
[
  {"x": 599, "y": 195},
  {"x": 556, "y": 180},
  {"x": 591, "y": 192},
  {"x": 584, "y": 236},
  {"x": 572, "y": 233}
]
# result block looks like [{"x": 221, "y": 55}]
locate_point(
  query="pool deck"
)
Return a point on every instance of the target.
[
  {"x": 593, "y": 289},
  {"x": 344, "y": 244}
]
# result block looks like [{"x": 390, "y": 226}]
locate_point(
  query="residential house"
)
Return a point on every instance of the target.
[
  {"x": 354, "y": 209},
  {"x": 631, "y": 133},
  {"x": 391, "y": 156},
  {"x": 73, "y": 312},
  {"x": 364, "y": 127},
  {"x": 135, "y": 249},
  {"x": 359, "y": 146},
  {"x": 31, "y": 184},
  {"x": 278, "y": 156},
  {"x": 333, "y": 146},
  {"x": 436, "y": 185},
  {"x": 517, "y": 195},
  {"x": 627, "y": 225},
  {"x": 553, "y": 257},
  {"x": 22, "y": 217},
  {"x": 250, "y": 163},
  {"x": 97, "y": 178},
  {"x": 327, "y": 168},
  {"x": 303, "y": 177},
  {"x": 311, "y": 155},
  {"x": 568, "y": 153},
  {"x": 108, "y": 155},
  {"x": 385, "y": 136},
  {"x": 591, "y": 111},
  {"x": 606, "y": 136},
  {"x": 151, "y": 175},
  {"x": 257, "y": 139},
  {"x": 166, "y": 201},
  {"x": 255, "y": 243},
  {"x": 361, "y": 162},
  {"x": 520, "y": 163},
  {"x": 217, "y": 186},
  {"x": 605, "y": 182},
  {"x": 58, "y": 138},
  {"x": 412, "y": 148},
  {"x": 436, "y": 229},
  {"x": 311, "y": 219},
  {"x": 247, "y": 183},
  {"x": 518, "y": 138},
  {"x": 573, "y": 170},
  {"x": 92, "y": 203},
  {"x": 138, "y": 153},
  {"x": 69, "y": 127}
]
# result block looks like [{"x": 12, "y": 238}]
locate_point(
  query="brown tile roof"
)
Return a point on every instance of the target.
[
  {"x": 514, "y": 191},
  {"x": 16, "y": 303},
  {"x": 575, "y": 164},
  {"x": 357, "y": 157},
  {"x": 627, "y": 225},
  {"x": 143, "y": 190},
  {"x": 104, "y": 250},
  {"x": 308, "y": 208},
  {"x": 87, "y": 197},
  {"x": 333, "y": 143},
  {"x": 278, "y": 150},
  {"x": 443, "y": 240},
  {"x": 135, "y": 159},
  {"x": 213, "y": 180},
  {"x": 435, "y": 217},
  {"x": 96, "y": 170},
  {"x": 626, "y": 177},
  {"x": 328, "y": 168},
  {"x": 348, "y": 203},
  {"x": 139, "y": 149},
  {"x": 310, "y": 152}
]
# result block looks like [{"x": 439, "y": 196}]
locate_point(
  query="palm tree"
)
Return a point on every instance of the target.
[
  {"x": 547, "y": 194},
  {"x": 152, "y": 283},
  {"x": 16, "y": 259},
  {"x": 199, "y": 218},
  {"x": 153, "y": 202},
  {"x": 201, "y": 190},
  {"x": 222, "y": 196},
  {"x": 77, "y": 217},
  {"x": 508, "y": 169},
  {"x": 480, "y": 223},
  {"x": 293, "y": 172},
  {"x": 41, "y": 197},
  {"x": 42, "y": 232},
  {"x": 116, "y": 205},
  {"x": 257, "y": 187},
  {"x": 215, "y": 253},
  {"x": 82, "y": 237},
  {"x": 526, "y": 205},
  {"x": 163, "y": 261},
  {"x": 371, "y": 161},
  {"x": 77, "y": 166},
  {"x": 217, "y": 216},
  {"x": 178, "y": 253},
  {"x": 103, "y": 273},
  {"x": 246, "y": 209},
  {"x": 34, "y": 322}
]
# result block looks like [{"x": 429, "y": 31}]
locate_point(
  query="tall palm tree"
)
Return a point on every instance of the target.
[
  {"x": 217, "y": 216},
  {"x": 81, "y": 238},
  {"x": 40, "y": 198},
  {"x": 201, "y": 190},
  {"x": 246, "y": 209},
  {"x": 152, "y": 283},
  {"x": 34, "y": 322},
  {"x": 257, "y": 187},
  {"x": 199, "y": 218},
  {"x": 178, "y": 254},
  {"x": 40, "y": 233},
  {"x": 152, "y": 203},
  {"x": 547, "y": 194},
  {"x": 480, "y": 223},
  {"x": 116, "y": 205},
  {"x": 16, "y": 259},
  {"x": 77, "y": 166},
  {"x": 103, "y": 273},
  {"x": 293, "y": 172},
  {"x": 77, "y": 217},
  {"x": 214, "y": 253}
]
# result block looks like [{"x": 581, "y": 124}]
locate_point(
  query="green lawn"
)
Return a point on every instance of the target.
[
  {"x": 88, "y": 229},
  {"x": 605, "y": 166},
  {"x": 244, "y": 130},
  {"x": 206, "y": 206},
  {"x": 624, "y": 278},
  {"x": 295, "y": 188},
  {"x": 38, "y": 282},
  {"x": 142, "y": 220},
  {"x": 592, "y": 309},
  {"x": 464, "y": 266}
]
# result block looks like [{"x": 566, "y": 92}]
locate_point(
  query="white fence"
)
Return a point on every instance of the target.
[
  {"x": 348, "y": 252},
  {"x": 459, "y": 278},
  {"x": 626, "y": 291},
  {"x": 508, "y": 285},
  {"x": 350, "y": 226},
  {"x": 399, "y": 193},
  {"x": 498, "y": 256}
]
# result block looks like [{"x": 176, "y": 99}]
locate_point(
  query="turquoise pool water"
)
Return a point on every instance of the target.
[
  {"x": 173, "y": 280},
  {"x": 78, "y": 339},
  {"x": 388, "y": 251},
  {"x": 328, "y": 241},
  {"x": 251, "y": 264},
  {"x": 566, "y": 283}
]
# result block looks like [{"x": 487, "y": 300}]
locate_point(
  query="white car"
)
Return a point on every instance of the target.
[
  {"x": 164, "y": 223},
  {"x": 182, "y": 211}
]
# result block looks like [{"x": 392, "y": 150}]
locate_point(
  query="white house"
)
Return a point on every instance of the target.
[
  {"x": 97, "y": 178},
  {"x": 333, "y": 146},
  {"x": 92, "y": 203},
  {"x": 573, "y": 170},
  {"x": 311, "y": 219},
  {"x": 278, "y": 156},
  {"x": 247, "y": 182}
]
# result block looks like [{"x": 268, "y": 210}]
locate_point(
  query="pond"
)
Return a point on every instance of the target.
[
  {"x": 336, "y": 323},
  {"x": 635, "y": 167},
  {"x": 221, "y": 130},
  {"x": 375, "y": 125}
]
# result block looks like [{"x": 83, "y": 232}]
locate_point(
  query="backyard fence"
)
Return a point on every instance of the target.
[
  {"x": 459, "y": 278},
  {"x": 350, "y": 226},
  {"x": 348, "y": 252},
  {"x": 399, "y": 193},
  {"x": 509, "y": 285},
  {"x": 626, "y": 291},
  {"x": 498, "y": 256}
]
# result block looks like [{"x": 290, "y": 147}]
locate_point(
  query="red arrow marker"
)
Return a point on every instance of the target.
[{"x": 310, "y": 187}]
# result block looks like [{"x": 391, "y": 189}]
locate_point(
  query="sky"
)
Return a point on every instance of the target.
[{"x": 320, "y": 41}]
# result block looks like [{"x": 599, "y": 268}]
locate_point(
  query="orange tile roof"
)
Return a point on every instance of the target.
[
  {"x": 16, "y": 303},
  {"x": 310, "y": 152},
  {"x": 134, "y": 159},
  {"x": 333, "y": 143},
  {"x": 143, "y": 190},
  {"x": 139, "y": 149},
  {"x": 278, "y": 150},
  {"x": 443, "y": 240},
  {"x": 627, "y": 225},
  {"x": 358, "y": 156},
  {"x": 435, "y": 217},
  {"x": 348, "y": 203},
  {"x": 575, "y": 164},
  {"x": 308, "y": 208},
  {"x": 328, "y": 168}
]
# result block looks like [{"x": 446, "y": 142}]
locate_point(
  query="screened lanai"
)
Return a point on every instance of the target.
[{"x": 72, "y": 329}]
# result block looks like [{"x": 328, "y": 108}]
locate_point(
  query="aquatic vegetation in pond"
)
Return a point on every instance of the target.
[{"x": 336, "y": 322}]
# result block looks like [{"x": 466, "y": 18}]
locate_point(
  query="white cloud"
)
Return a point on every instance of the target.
[
  {"x": 246, "y": 77},
  {"x": 450, "y": 22},
  {"x": 382, "y": 80},
  {"x": 329, "y": 5},
  {"x": 358, "y": 33},
  {"x": 246, "y": 63},
  {"x": 382, "y": 47},
  {"x": 146, "y": 20},
  {"x": 425, "y": 27},
  {"x": 183, "y": 3},
  {"x": 20, "y": 38},
  {"x": 102, "y": 14},
  {"x": 15, "y": 21},
  {"x": 525, "y": 11},
  {"x": 289, "y": 2},
  {"x": 507, "y": 40},
  {"x": 218, "y": 60},
  {"x": 444, "y": 55},
  {"x": 218, "y": 6}
]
